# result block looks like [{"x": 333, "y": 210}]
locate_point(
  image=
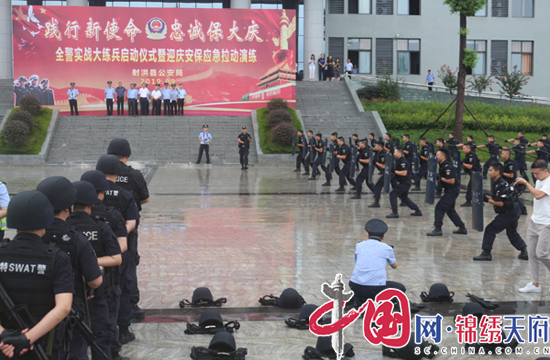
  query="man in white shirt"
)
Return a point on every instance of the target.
[
  {"x": 144, "y": 94},
  {"x": 157, "y": 96},
  {"x": 349, "y": 68},
  {"x": 538, "y": 231},
  {"x": 205, "y": 139},
  {"x": 181, "y": 100}
]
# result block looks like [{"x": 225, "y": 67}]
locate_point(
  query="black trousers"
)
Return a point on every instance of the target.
[
  {"x": 205, "y": 148},
  {"x": 144, "y": 105},
  {"x": 361, "y": 293},
  {"x": 492, "y": 159},
  {"x": 316, "y": 164},
  {"x": 507, "y": 221},
  {"x": 74, "y": 107},
  {"x": 429, "y": 87},
  {"x": 167, "y": 107},
  {"x": 378, "y": 188},
  {"x": 349, "y": 74},
  {"x": 300, "y": 161},
  {"x": 181, "y": 103},
  {"x": 243, "y": 156},
  {"x": 156, "y": 107},
  {"x": 308, "y": 162},
  {"x": 363, "y": 176},
  {"x": 120, "y": 105},
  {"x": 132, "y": 107},
  {"x": 109, "y": 103},
  {"x": 345, "y": 174},
  {"x": 422, "y": 173},
  {"x": 522, "y": 168},
  {"x": 469, "y": 190},
  {"x": 446, "y": 205},
  {"x": 401, "y": 190},
  {"x": 173, "y": 107}
]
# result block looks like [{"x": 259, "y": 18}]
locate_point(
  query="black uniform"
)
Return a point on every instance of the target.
[
  {"x": 423, "y": 168},
  {"x": 364, "y": 174},
  {"x": 326, "y": 169},
  {"x": 308, "y": 161},
  {"x": 438, "y": 185},
  {"x": 345, "y": 150},
  {"x": 32, "y": 273},
  {"x": 473, "y": 146},
  {"x": 319, "y": 159},
  {"x": 453, "y": 148},
  {"x": 509, "y": 167},
  {"x": 408, "y": 147},
  {"x": 243, "y": 148},
  {"x": 401, "y": 185},
  {"x": 542, "y": 153},
  {"x": 493, "y": 148},
  {"x": 20, "y": 93},
  {"x": 84, "y": 264},
  {"x": 523, "y": 140},
  {"x": 379, "y": 157},
  {"x": 303, "y": 152},
  {"x": 519, "y": 159},
  {"x": 446, "y": 205},
  {"x": 47, "y": 97},
  {"x": 506, "y": 219},
  {"x": 389, "y": 145},
  {"x": 471, "y": 159}
]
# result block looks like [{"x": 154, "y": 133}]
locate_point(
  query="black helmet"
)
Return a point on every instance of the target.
[
  {"x": 211, "y": 317},
  {"x": 306, "y": 311},
  {"x": 97, "y": 178},
  {"x": 290, "y": 299},
  {"x": 85, "y": 193},
  {"x": 223, "y": 341},
  {"x": 59, "y": 191},
  {"x": 202, "y": 294},
  {"x": 109, "y": 164},
  {"x": 30, "y": 210},
  {"x": 119, "y": 146},
  {"x": 438, "y": 293},
  {"x": 324, "y": 346},
  {"x": 473, "y": 308}
]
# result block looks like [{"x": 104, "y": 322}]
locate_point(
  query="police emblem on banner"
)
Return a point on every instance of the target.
[{"x": 156, "y": 29}]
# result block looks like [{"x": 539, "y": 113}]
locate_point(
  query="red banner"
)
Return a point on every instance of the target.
[{"x": 229, "y": 61}]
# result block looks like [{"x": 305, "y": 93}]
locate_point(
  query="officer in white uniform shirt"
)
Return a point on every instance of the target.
[
  {"x": 73, "y": 94},
  {"x": 204, "y": 138}
]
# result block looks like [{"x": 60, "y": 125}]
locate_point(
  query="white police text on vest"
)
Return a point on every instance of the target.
[{"x": 39, "y": 269}]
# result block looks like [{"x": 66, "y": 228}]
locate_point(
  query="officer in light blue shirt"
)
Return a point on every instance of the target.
[
  {"x": 166, "y": 98},
  {"x": 109, "y": 97},
  {"x": 174, "y": 100},
  {"x": 204, "y": 138},
  {"x": 181, "y": 100},
  {"x": 132, "y": 95},
  {"x": 371, "y": 258},
  {"x": 73, "y": 94},
  {"x": 430, "y": 79}
]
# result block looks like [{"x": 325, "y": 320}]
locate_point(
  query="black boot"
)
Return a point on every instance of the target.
[
  {"x": 461, "y": 230},
  {"x": 297, "y": 170},
  {"x": 394, "y": 215},
  {"x": 374, "y": 205},
  {"x": 356, "y": 196},
  {"x": 340, "y": 189},
  {"x": 306, "y": 173},
  {"x": 138, "y": 315},
  {"x": 326, "y": 184},
  {"x": 312, "y": 178},
  {"x": 484, "y": 256},
  {"x": 436, "y": 232},
  {"x": 467, "y": 203},
  {"x": 523, "y": 254},
  {"x": 416, "y": 212},
  {"x": 125, "y": 336}
]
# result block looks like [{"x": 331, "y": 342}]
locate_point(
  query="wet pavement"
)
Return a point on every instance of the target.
[{"x": 245, "y": 234}]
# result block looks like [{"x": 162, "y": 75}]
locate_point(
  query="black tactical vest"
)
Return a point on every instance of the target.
[
  {"x": 102, "y": 212},
  {"x": 113, "y": 197},
  {"x": 93, "y": 230},
  {"x": 126, "y": 180},
  {"x": 26, "y": 272}
]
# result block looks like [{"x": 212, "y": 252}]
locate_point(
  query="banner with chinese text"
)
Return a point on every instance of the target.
[{"x": 229, "y": 61}]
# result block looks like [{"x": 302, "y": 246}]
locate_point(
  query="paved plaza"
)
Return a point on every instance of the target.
[{"x": 245, "y": 234}]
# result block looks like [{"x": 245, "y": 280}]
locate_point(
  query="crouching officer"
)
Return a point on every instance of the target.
[
  {"x": 107, "y": 249},
  {"x": 62, "y": 194},
  {"x": 504, "y": 201},
  {"x": 319, "y": 148},
  {"x": 363, "y": 159},
  {"x": 401, "y": 183},
  {"x": 35, "y": 275}
]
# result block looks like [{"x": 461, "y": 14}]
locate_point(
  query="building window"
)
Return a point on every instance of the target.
[
  {"x": 408, "y": 57},
  {"x": 335, "y": 6},
  {"x": 301, "y": 37},
  {"x": 384, "y": 56},
  {"x": 480, "y": 47},
  {"x": 384, "y": 7},
  {"x": 522, "y": 56},
  {"x": 483, "y": 11},
  {"x": 522, "y": 8},
  {"x": 408, "y": 7},
  {"x": 499, "y": 8},
  {"x": 360, "y": 54},
  {"x": 359, "y": 7},
  {"x": 499, "y": 56}
]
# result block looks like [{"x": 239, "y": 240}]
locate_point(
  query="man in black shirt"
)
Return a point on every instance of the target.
[
  {"x": 408, "y": 149},
  {"x": 494, "y": 151},
  {"x": 440, "y": 144},
  {"x": 363, "y": 160},
  {"x": 335, "y": 149},
  {"x": 401, "y": 183},
  {"x": 452, "y": 143},
  {"x": 423, "y": 162},
  {"x": 308, "y": 161},
  {"x": 372, "y": 140},
  {"x": 473, "y": 145},
  {"x": 503, "y": 201},
  {"x": 244, "y": 140},
  {"x": 302, "y": 146},
  {"x": 509, "y": 173},
  {"x": 519, "y": 157},
  {"x": 344, "y": 154},
  {"x": 380, "y": 163},
  {"x": 319, "y": 149},
  {"x": 469, "y": 164},
  {"x": 388, "y": 145}
]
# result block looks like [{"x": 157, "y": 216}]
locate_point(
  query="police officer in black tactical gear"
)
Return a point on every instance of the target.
[
  {"x": 473, "y": 145},
  {"x": 380, "y": 163},
  {"x": 335, "y": 149},
  {"x": 494, "y": 151},
  {"x": 519, "y": 157},
  {"x": 453, "y": 143},
  {"x": 469, "y": 164},
  {"x": 311, "y": 145},
  {"x": 35, "y": 275},
  {"x": 509, "y": 173},
  {"x": 123, "y": 201},
  {"x": 109, "y": 257},
  {"x": 244, "y": 140},
  {"x": 388, "y": 144},
  {"x": 504, "y": 201},
  {"x": 440, "y": 144},
  {"x": 423, "y": 164},
  {"x": 372, "y": 140},
  {"x": 408, "y": 149},
  {"x": 344, "y": 154},
  {"x": 319, "y": 148},
  {"x": 302, "y": 146},
  {"x": 401, "y": 183},
  {"x": 62, "y": 194},
  {"x": 363, "y": 160},
  {"x": 132, "y": 180},
  {"x": 446, "y": 205}
]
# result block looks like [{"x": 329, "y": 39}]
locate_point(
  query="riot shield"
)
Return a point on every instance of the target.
[
  {"x": 415, "y": 159},
  {"x": 353, "y": 161},
  {"x": 477, "y": 200},
  {"x": 395, "y": 142},
  {"x": 312, "y": 150},
  {"x": 294, "y": 144},
  {"x": 371, "y": 166},
  {"x": 324, "y": 161},
  {"x": 431, "y": 148},
  {"x": 304, "y": 150},
  {"x": 331, "y": 149},
  {"x": 388, "y": 172},
  {"x": 457, "y": 163},
  {"x": 430, "y": 179}
]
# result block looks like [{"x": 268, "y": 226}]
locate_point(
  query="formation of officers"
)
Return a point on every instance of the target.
[
  {"x": 33, "y": 86},
  {"x": 74, "y": 257},
  {"x": 170, "y": 98},
  {"x": 503, "y": 197}
]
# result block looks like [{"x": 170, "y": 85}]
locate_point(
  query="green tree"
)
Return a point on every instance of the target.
[
  {"x": 511, "y": 83},
  {"x": 466, "y": 58}
]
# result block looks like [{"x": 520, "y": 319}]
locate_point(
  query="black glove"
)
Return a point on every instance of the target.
[
  {"x": 8, "y": 333},
  {"x": 485, "y": 198},
  {"x": 437, "y": 177},
  {"x": 19, "y": 342}
]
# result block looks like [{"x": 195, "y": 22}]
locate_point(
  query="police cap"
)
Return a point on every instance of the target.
[
  {"x": 23, "y": 78},
  {"x": 244, "y": 127},
  {"x": 119, "y": 146},
  {"x": 376, "y": 227},
  {"x": 109, "y": 164},
  {"x": 173, "y": 85},
  {"x": 59, "y": 191},
  {"x": 30, "y": 210},
  {"x": 205, "y": 126},
  {"x": 166, "y": 84},
  {"x": 109, "y": 82},
  {"x": 97, "y": 179},
  {"x": 85, "y": 193},
  {"x": 72, "y": 84},
  {"x": 34, "y": 77},
  {"x": 45, "y": 81}
]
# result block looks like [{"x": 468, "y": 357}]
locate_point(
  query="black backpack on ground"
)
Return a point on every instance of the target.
[
  {"x": 289, "y": 299},
  {"x": 324, "y": 349},
  {"x": 222, "y": 346},
  {"x": 202, "y": 297},
  {"x": 211, "y": 322},
  {"x": 438, "y": 293}
]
